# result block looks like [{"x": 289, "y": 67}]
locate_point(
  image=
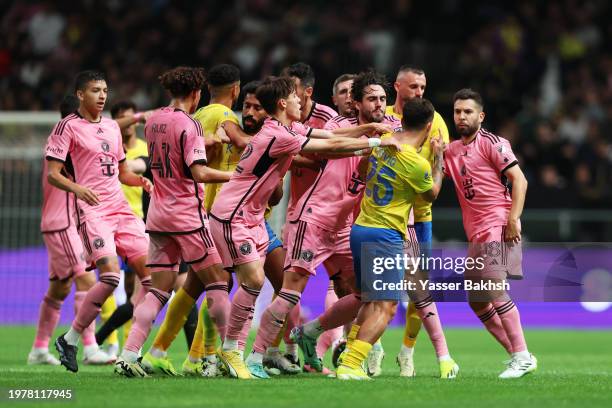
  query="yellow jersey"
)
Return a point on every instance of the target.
[
  {"x": 392, "y": 183},
  {"x": 225, "y": 156},
  {"x": 422, "y": 209},
  {"x": 133, "y": 195}
]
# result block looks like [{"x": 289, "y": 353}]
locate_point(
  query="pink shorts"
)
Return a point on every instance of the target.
[
  {"x": 196, "y": 249},
  {"x": 65, "y": 253},
  {"x": 237, "y": 243},
  {"x": 501, "y": 260},
  {"x": 309, "y": 245},
  {"x": 112, "y": 235}
]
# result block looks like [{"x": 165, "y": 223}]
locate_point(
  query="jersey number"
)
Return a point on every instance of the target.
[
  {"x": 162, "y": 164},
  {"x": 382, "y": 184}
]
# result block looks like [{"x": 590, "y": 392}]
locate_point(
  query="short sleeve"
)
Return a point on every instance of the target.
[
  {"x": 501, "y": 155},
  {"x": 193, "y": 144},
  {"x": 331, "y": 124},
  {"x": 420, "y": 177},
  {"x": 301, "y": 129},
  {"x": 59, "y": 143},
  {"x": 120, "y": 149},
  {"x": 287, "y": 143}
]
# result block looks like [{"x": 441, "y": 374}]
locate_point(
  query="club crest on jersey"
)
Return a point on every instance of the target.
[
  {"x": 248, "y": 150},
  {"x": 307, "y": 255},
  {"x": 426, "y": 176},
  {"x": 98, "y": 243},
  {"x": 245, "y": 248},
  {"x": 105, "y": 146}
]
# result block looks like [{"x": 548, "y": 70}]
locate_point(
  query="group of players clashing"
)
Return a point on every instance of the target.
[{"x": 214, "y": 185}]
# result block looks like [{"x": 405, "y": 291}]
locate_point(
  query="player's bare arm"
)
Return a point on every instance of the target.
[
  {"x": 438, "y": 146},
  {"x": 277, "y": 195},
  {"x": 235, "y": 134},
  {"x": 127, "y": 121},
  {"x": 137, "y": 165},
  {"x": 57, "y": 179},
  {"x": 129, "y": 178},
  {"x": 204, "y": 174},
  {"x": 343, "y": 144},
  {"x": 369, "y": 129},
  {"x": 519, "y": 190},
  {"x": 300, "y": 161}
]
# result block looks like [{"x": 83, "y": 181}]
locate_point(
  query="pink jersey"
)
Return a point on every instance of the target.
[
  {"x": 477, "y": 171},
  {"x": 95, "y": 150},
  {"x": 302, "y": 178},
  {"x": 58, "y": 206},
  {"x": 175, "y": 142},
  {"x": 262, "y": 165}
]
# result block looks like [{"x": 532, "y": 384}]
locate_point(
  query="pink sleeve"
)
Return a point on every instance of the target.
[
  {"x": 301, "y": 129},
  {"x": 501, "y": 155},
  {"x": 288, "y": 143},
  {"x": 331, "y": 124},
  {"x": 120, "y": 148},
  {"x": 193, "y": 145},
  {"x": 59, "y": 143}
]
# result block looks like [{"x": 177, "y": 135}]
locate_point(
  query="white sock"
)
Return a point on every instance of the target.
[
  {"x": 523, "y": 355},
  {"x": 377, "y": 345},
  {"x": 291, "y": 349},
  {"x": 313, "y": 329},
  {"x": 407, "y": 351},
  {"x": 255, "y": 357},
  {"x": 129, "y": 356},
  {"x": 230, "y": 345},
  {"x": 41, "y": 350},
  {"x": 113, "y": 348},
  {"x": 272, "y": 350},
  {"x": 211, "y": 358},
  {"x": 91, "y": 349},
  {"x": 445, "y": 357},
  {"x": 157, "y": 353},
  {"x": 72, "y": 337}
]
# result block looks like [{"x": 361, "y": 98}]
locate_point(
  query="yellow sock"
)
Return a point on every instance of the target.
[
  {"x": 350, "y": 338},
  {"x": 210, "y": 333},
  {"x": 176, "y": 316},
  {"x": 108, "y": 307},
  {"x": 357, "y": 354},
  {"x": 196, "y": 351},
  {"x": 413, "y": 326},
  {"x": 126, "y": 330}
]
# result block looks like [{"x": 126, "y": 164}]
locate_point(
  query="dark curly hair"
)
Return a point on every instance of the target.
[
  {"x": 365, "y": 79},
  {"x": 181, "y": 81}
]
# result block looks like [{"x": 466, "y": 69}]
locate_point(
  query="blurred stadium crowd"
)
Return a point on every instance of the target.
[{"x": 543, "y": 67}]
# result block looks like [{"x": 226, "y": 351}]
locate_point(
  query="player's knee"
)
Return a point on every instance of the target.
[
  {"x": 59, "y": 289},
  {"x": 343, "y": 287}
]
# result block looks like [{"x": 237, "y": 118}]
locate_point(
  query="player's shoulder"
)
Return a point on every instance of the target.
[
  {"x": 486, "y": 137},
  {"x": 393, "y": 121},
  {"x": 453, "y": 147},
  {"x": 65, "y": 123},
  {"x": 323, "y": 112},
  {"x": 340, "y": 121}
]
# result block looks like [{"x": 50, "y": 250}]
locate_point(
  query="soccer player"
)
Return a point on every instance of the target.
[
  {"x": 66, "y": 265},
  {"x": 392, "y": 183},
  {"x": 341, "y": 95},
  {"x": 482, "y": 167},
  {"x": 410, "y": 83},
  {"x": 177, "y": 221},
  {"x": 237, "y": 216},
  {"x": 323, "y": 218},
  {"x": 93, "y": 145}
]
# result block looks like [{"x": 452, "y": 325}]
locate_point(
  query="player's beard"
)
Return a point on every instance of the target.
[
  {"x": 374, "y": 116},
  {"x": 466, "y": 130},
  {"x": 250, "y": 125}
]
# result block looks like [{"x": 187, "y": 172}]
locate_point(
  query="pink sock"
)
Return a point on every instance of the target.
[
  {"x": 511, "y": 320},
  {"x": 341, "y": 313},
  {"x": 145, "y": 286},
  {"x": 89, "y": 334},
  {"x": 48, "y": 316},
  {"x": 293, "y": 320},
  {"x": 143, "y": 318},
  {"x": 329, "y": 336},
  {"x": 273, "y": 319},
  {"x": 241, "y": 315},
  {"x": 217, "y": 298},
  {"x": 492, "y": 322},
  {"x": 428, "y": 312},
  {"x": 94, "y": 299}
]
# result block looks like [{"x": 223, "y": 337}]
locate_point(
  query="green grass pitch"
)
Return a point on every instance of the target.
[{"x": 575, "y": 369}]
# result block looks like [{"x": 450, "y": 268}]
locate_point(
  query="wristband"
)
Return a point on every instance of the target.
[
  {"x": 138, "y": 116},
  {"x": 374, "y": 142}
]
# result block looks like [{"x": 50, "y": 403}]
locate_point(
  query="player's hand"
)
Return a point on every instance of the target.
[
  {"x": 379, "y": 129},
  {"x": 146, "y": 184},
  {"x": 392, "y": 143},
  {"x": 437, "y": 145},
  {"x": 221, "y": 134},
  {"x": 513, "y": 232},
  {"x": 146, "y": 115},
  {"x": 87, "y": 195}
]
